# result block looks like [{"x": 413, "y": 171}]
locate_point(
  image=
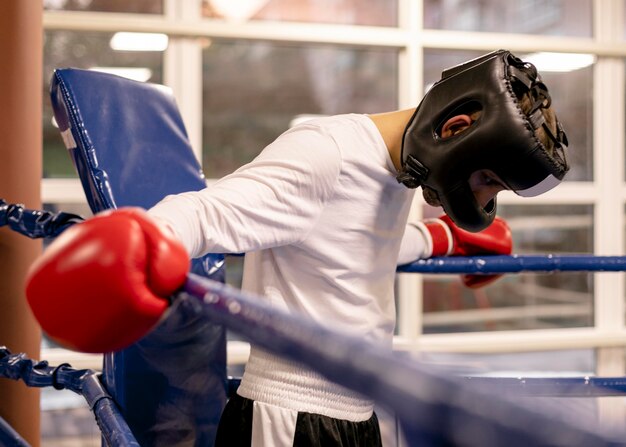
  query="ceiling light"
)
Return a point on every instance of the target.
[
  {"x": 559, "y": 62},
  {"x": 139, "y": 41},
  {"x": 237, "y": 10}
]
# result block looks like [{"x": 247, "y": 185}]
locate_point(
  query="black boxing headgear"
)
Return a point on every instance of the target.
[{"x": 501, "y": 140}]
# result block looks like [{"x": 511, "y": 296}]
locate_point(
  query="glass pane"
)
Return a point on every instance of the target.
[
  {"x": 572, "y": 96},
  {"x": 624, "y": 61},
  {"x": 545, "y": 17},
  {"x": 67, "y": 420},
  {"x": 575, "y": 111},
  {"x": 348, "y": 12},
  {"x": 253, "y": 91},
  {"x": 616, "y": 252},
  {"x": 136, "y": 6},
  {"x": 527, "y": 300},
  {"x": 80, "y": 209},
  {"x": 85, "y": 50}
]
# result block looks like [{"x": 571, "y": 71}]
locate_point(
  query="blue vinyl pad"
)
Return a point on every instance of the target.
[{"x": 130, "y": 148}]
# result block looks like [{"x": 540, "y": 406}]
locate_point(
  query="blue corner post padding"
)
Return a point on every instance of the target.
[{"x": 130, "y": 148}]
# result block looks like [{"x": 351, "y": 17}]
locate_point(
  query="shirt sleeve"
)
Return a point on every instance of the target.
[
  {"x": 274, "y": 200},
  {"x": 415, "y": 244}
]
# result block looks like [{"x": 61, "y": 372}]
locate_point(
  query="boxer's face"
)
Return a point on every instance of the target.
[{"x": 484, "y": 183}]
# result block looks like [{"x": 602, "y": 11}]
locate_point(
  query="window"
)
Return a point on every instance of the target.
[
  {"x": 136, "y": 6},
  {"x": 540, "y": 17},
  {"x": 86, "y": 50},
  {"x": 349, "y": 12},
  {"x": 252, "y": 91},
  {"x": 240, "y": 86}
]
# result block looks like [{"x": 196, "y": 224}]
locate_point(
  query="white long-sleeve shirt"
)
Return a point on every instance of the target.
[{"x": 321, "y": 217}]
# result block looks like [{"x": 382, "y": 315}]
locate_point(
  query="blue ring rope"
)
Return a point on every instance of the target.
[
  {"x": 428, "y": 403},
  {"x": 84, "y": 382},
  {"x": 37, "y": 223},
  {"x": 9, "y": 437},
  {"x": 516, "y": 264},
  {"x": 422, "y": 399}
]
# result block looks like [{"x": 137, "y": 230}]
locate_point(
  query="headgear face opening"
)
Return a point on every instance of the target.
[{"x": 501, "y": 140}]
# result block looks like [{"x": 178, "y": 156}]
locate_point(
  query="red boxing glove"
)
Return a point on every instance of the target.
[
  {"x": 447, "y": 239},
  {"x": 104, "y": 283}
]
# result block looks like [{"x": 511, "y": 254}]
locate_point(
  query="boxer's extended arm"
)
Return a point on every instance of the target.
[
  {"x": 104, "y": 283},
  {"x": 441, "y": 237},
  {"x": 274, "y": 200}
]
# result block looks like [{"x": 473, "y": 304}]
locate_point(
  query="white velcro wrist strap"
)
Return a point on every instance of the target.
[
  {"x": 448, "y": 232},
  {"x": 428, "y": 239}
]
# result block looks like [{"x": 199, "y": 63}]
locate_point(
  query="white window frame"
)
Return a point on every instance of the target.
[{"x": 607, "y": 193}]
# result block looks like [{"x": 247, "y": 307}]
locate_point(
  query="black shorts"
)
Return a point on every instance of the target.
[{"x": 289, "y": 428}]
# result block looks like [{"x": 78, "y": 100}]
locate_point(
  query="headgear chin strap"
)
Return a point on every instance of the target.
[{"x": 501, "y": 140}]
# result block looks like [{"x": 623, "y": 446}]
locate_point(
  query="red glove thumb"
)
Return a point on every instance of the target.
[
  {"x": 450, "y": 240},
  {"x": 104, "y": 283}
]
